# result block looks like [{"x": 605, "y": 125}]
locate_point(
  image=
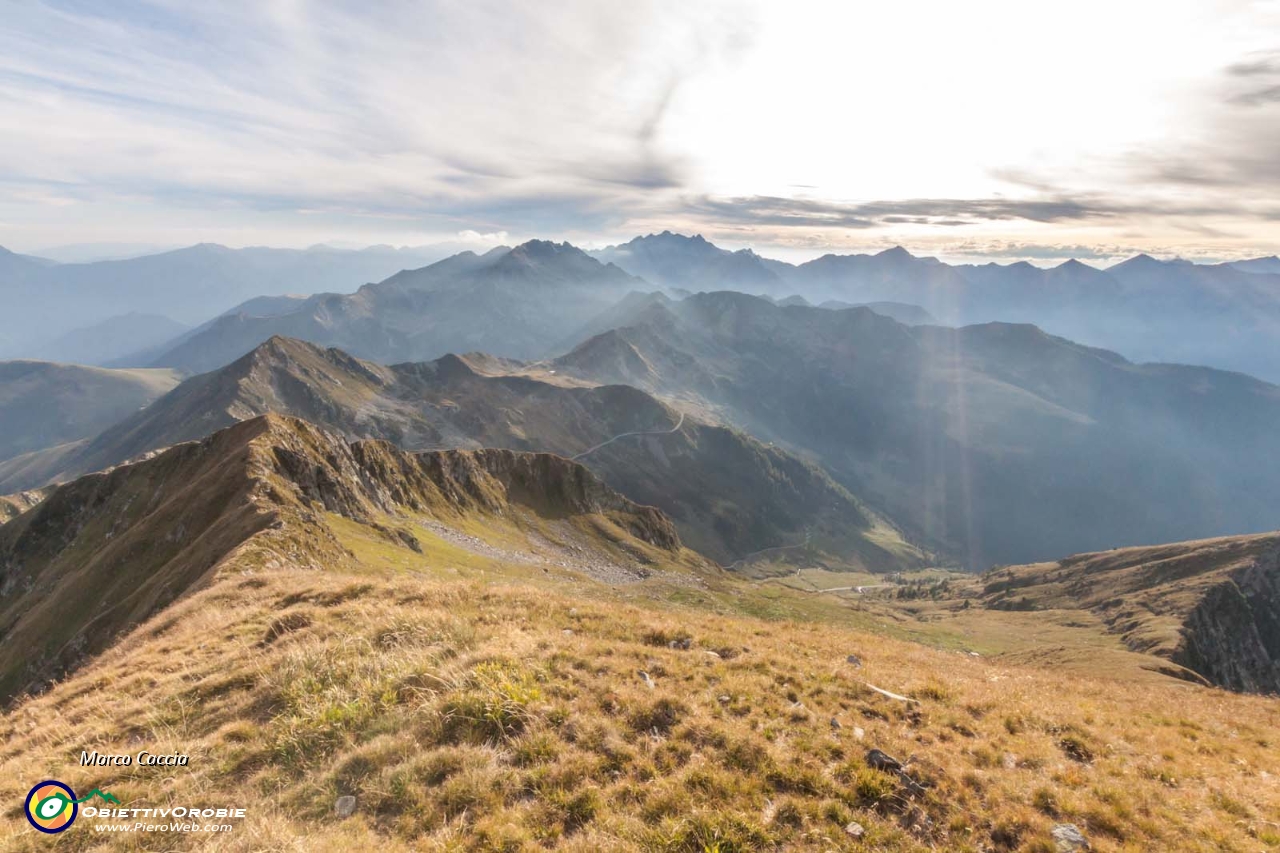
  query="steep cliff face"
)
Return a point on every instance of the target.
[
  {"x": 1233, "y": 636},
  {"x": 105, "y": 552}
]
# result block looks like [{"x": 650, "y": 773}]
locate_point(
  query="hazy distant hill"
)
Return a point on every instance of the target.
[
  {"x": 729, "y": 494},
  {"x": 107, "y": 342},
  {"x": 1000, "y": 441},
  {"x": 44, "y": 404},
  {"x": 44, "y": 300},
  {"x": 517, "y": 302}
]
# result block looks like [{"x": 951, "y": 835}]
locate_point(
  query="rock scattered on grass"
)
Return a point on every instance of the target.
[{"x": 855, "y": 830}]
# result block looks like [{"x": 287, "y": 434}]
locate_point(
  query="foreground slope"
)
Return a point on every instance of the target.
[
  {"x": 1001, "y": 442},
  {"x": 44, "y": 404},
  {"x": 730, "y": 495},
  {"x": 1211, "y": 605},
  {"x": 107, "y": 551},
  {"x": 501, "y": 716}
]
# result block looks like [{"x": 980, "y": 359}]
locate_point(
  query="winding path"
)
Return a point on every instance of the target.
[{"x": 591, "y": 450}]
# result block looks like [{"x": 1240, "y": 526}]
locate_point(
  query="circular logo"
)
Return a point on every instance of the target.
[{"x": 51, "y": 806}]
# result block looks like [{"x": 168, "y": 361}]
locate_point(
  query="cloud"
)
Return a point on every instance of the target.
[
  {"x": 582, "y": 118},
  {"x": 802, "y": 212},
  {"x": 436, "y": 108}
]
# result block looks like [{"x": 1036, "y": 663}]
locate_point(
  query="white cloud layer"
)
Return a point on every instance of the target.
[{"x": 791, "y": 124}]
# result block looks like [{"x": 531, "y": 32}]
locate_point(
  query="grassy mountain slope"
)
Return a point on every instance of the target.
[
  {"x": 43, "y": 404},
  {"x": 105, "y": 552},
  {"x": 730, "y": 495},
  {"x": 1212, "y": 605},
  {"x": 1000, "y": 442},
  {"x": 511, "y": 716}
]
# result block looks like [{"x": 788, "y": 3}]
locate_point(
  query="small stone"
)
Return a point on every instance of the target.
[
  {"x": 345, "y": 806},
  {"x": 855, "y": 660},
  {"x": 854, "y": 830},
  {"x": 568, "y": 632},
  {"x": 724, "y": 700},
  {"x": 1009, "y": 761},
  {"x": 835, "y": 724},
  {"x": 1068, "y": 838},
  {"x": 644, "y": 676},
  {"x": 713, "y": 654},
  {"x": 859, "y": 732}
]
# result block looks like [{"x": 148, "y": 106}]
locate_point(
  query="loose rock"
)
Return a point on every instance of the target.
[
  {"x": 345, "y": 806},
  {"x": 855, "y": 830},
  {"x": 1068, "y": 838},
  {"x": 855, "y": 660},
  {"x": 880, "y": 760}
]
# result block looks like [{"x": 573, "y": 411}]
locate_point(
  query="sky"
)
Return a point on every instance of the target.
[{"x": 1093, "y": 129}]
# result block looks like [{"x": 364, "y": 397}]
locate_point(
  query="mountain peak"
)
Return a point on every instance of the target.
[
  {"x": 543, "y": 249},
  {"x": 897, "y": 253}
]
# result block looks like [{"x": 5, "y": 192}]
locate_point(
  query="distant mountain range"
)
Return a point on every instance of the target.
[
  {"x": 524, "y": 303},
  {"x": 518, "y": 303},
  {"x": 45, "y": 300},
  {"x": 1221, "y": 315},
  {"x": 999, "y": 442}
]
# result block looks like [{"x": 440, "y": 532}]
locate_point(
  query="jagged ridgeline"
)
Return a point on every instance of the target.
[{"x": 103, "y": 553}]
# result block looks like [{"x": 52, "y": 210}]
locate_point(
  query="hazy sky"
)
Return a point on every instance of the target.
[{"x": 1092, "y": 128}]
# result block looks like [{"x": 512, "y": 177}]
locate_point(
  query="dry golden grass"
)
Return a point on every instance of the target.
[{"x": 473, "y": 716}]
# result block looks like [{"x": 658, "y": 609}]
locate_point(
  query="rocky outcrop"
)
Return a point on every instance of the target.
[
  {"x": 1232, "y": 637},
  {"x": 353, "y": 479}
]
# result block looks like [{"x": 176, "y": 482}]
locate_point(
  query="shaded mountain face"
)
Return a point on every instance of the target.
[
  {"x": 105, "y": 552},
  {"x": 999, "y": 442},
  {"x": 1212, "y": 605},
  {"x": 43, "y": 404},
  {"x": 44, "y": 301},
  {"x": 729, "y": 494},
  {"x": 516, "y": 303}
]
